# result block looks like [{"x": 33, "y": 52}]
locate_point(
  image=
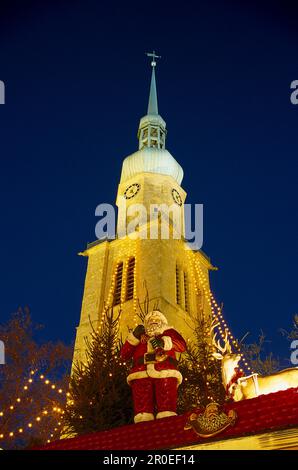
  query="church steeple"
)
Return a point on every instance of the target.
[
  {"x": 119, "y": 269},
  {"x": 152, "y": 104},
  {"x": 152, "y": 128}
]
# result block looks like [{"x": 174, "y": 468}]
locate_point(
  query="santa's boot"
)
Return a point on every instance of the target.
[
  {"x": 165, "y": 414},
  {"x": 143, "y": 417}
]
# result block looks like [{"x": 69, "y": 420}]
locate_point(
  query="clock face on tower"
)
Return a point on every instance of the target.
[
  {"x": 132, "y": 190},
  {"x": 176, "y": 196}
]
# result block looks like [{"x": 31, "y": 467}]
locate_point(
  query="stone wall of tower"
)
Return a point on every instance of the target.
[{"x": 156, "y": 262}]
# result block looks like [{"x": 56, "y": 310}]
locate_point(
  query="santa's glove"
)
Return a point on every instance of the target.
[
  {"x": 157, "y": 343},
  {"x": 139, "y": 331}
]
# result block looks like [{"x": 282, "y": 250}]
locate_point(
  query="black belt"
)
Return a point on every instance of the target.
[{"x": 149, "y": 358}]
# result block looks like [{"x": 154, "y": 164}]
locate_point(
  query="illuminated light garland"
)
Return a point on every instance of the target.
[
  {"x": 214, "y": 306},
  {"x": 18, "y": 400},
  {"x": 44, "y": 412},
  {"x": 38, "y": 419},
  {"x": 135, "y": 298},
  {"x": 110, "y": 297}
]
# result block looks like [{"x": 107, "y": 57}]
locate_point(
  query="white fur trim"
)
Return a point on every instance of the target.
[
  {"x": 165, "y": 414},
  {"x": 163, "y": 319},
  {"x": 133, "y": 340},
  {"x": 141, "y": 374},
  {"x": 158, "y": 314},
  {"x": 143, "y": 417},
  {"x": 163, "y": 374},
  {"x": 155, "y": 374},
  {"x": 168, "y": 344}
]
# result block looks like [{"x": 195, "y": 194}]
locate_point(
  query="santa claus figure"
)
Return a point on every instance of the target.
[{"x": 154, "y": 377}]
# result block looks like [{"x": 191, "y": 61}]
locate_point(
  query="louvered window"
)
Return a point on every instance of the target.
[
  {"x": 130, "y": 279},
  {"x": 118, "y": 284}
]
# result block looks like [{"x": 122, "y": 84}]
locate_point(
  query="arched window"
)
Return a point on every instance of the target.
[
  {"x": 186, "y": 292},
  {"x": 178, "y": 296},
  {"x": 130, "y": 275},
  {"x": 118, "y": 284}
]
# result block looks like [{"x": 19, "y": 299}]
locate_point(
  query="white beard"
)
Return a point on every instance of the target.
[{"x": 154, "y": 330}]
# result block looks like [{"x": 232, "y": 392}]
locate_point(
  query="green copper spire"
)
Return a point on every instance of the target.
[
  {"x": 152, "y": 104},
  {"x": 152, "y": 128}
]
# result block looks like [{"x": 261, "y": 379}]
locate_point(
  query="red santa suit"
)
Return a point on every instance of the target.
[{"x": 154, "y": 383}]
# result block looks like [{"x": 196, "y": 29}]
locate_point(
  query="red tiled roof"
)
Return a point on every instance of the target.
[{"x": 265, "y": 413}]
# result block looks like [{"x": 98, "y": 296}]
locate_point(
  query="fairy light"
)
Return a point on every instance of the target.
[
  {"x": 44, "y": 412},
  {"x": 135, "y": 299},
  {"x": 38, "y": 420},
  {"x": 111, "y": 291},
  {"x": 215, "y": 308}
]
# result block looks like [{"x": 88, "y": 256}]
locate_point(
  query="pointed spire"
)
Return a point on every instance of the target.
[
  {"x": 152, "y": 128},
  {"x": 152, "y": 104}
]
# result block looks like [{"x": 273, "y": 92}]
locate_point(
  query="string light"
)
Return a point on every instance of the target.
[
  {"x": 135, "y": 298},
  {"x": 43, "y": 412},
  {"x": 38, "y": 420},
  {"x": 215, "y": 308}
]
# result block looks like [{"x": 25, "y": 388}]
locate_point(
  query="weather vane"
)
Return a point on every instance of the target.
[{"x": 154, "y": 56}]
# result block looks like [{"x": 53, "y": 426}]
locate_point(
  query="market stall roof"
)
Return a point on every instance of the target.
[{"x": 264, "y": 414}]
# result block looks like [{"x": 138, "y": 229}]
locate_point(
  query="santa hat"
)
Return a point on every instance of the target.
[{"x": 156, "y": 313}]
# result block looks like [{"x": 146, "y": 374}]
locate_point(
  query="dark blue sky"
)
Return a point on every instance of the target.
[{"x": 77, "y": 82}]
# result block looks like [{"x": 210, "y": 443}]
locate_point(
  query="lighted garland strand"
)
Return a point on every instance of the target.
[
  {"x": 26, "y": 387},
  {"x": 135, "y": 298},
  {"x": 215, "y": 308},
  {"x": 43, "y": 413},
  {"x": 37, "y": 420}
]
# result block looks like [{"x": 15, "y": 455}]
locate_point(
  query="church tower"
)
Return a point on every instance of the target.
[{"x": 141, "y": 258}]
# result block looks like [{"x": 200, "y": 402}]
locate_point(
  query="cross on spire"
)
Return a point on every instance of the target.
[{"x": 154, "y": 56}]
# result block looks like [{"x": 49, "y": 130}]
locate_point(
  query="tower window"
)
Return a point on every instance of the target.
[
  {"x": 118, "y": 284},
  {"x": 186, "y": 299},
  {"x": 130, "y": 279},
  {"x": 178, "y": 297}
]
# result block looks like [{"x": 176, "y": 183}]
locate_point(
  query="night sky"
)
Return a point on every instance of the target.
[{"x": 77, "y": 83}]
